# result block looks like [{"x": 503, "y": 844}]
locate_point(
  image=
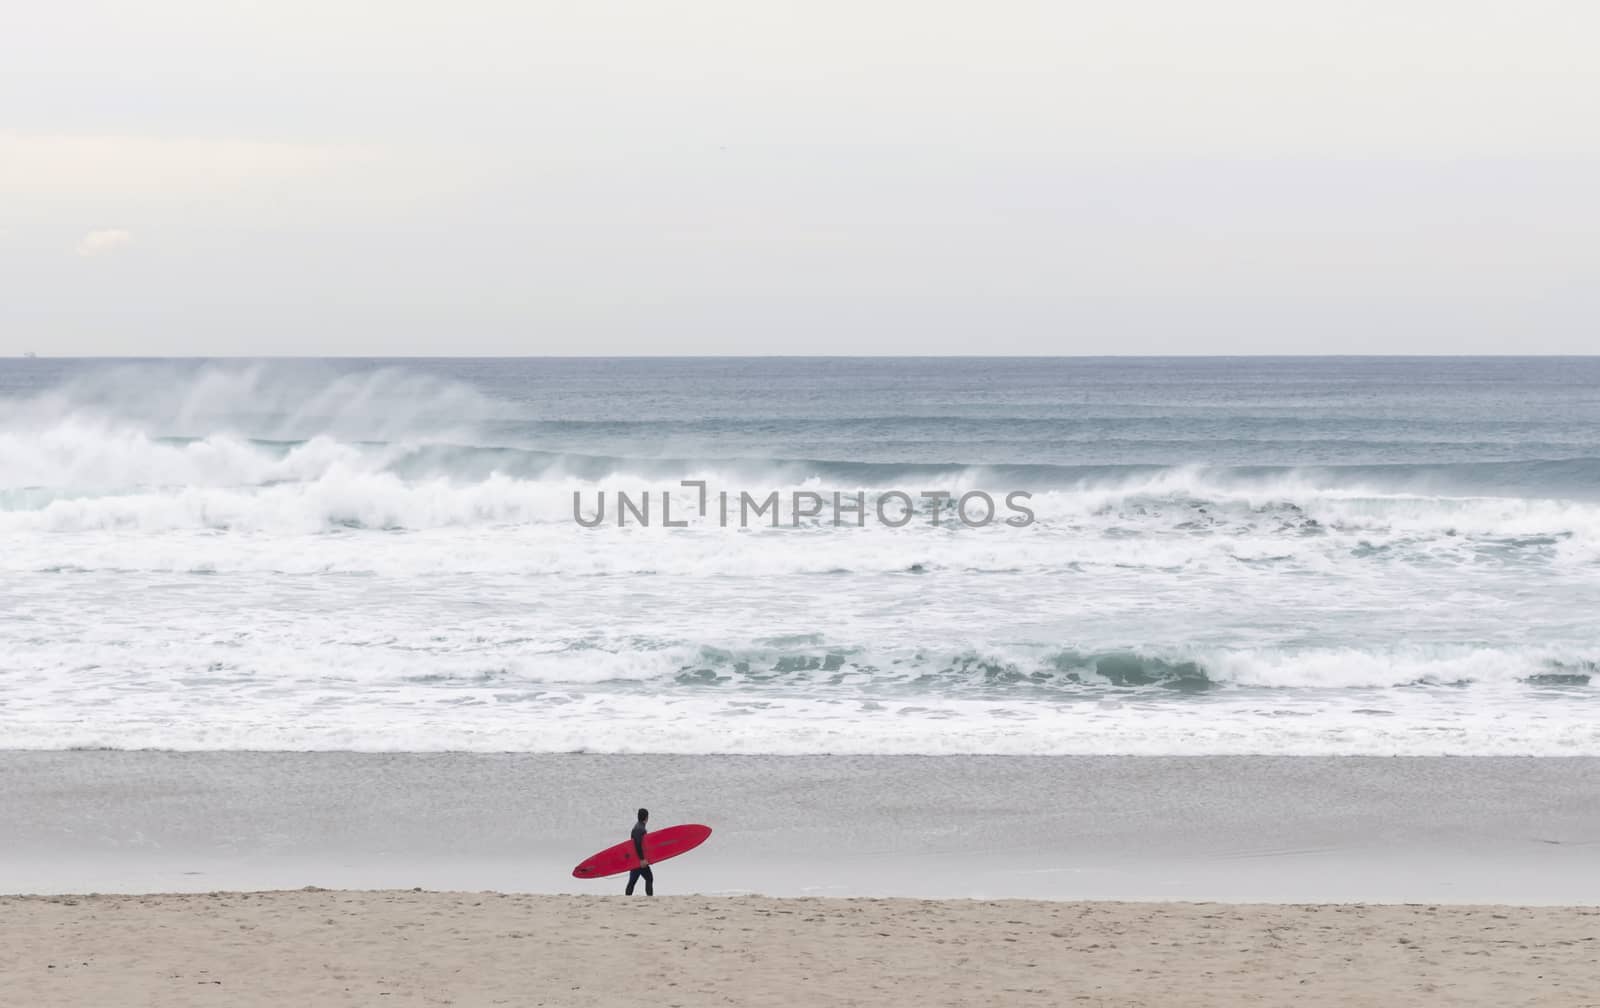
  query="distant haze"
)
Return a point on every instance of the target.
[{"x": 1242, "y": 176}]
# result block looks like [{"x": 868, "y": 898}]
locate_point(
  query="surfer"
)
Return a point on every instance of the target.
[{"x": 643, "y": 871}]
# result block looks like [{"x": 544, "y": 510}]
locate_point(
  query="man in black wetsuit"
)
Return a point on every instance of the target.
[{"x": 643, "y": 871}]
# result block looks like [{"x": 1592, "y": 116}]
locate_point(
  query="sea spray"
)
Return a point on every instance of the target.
[{"x": 382, "y": 555}]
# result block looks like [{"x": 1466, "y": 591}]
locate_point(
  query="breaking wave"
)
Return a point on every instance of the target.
[
  {"x": 315, "y": 555},
  {"x": 1041, "y": 671}
]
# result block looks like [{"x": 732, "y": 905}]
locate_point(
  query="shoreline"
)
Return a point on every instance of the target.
[
  {"x": 1489, "y": 830},
  {"x": 332, "y": 948}
]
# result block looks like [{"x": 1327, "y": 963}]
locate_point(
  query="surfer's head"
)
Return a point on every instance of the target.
[{"x": 644, "y": 814}]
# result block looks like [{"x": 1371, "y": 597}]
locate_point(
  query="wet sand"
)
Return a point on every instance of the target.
[
  {"x": 316, "y": 948},
  {"x": 1228, "y": 829}
]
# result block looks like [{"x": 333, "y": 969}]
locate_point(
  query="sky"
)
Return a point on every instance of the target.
[{"x": 343, "y": 177}]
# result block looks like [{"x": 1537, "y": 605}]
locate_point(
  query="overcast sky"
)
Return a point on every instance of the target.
[{"x": 743, "y": 176}]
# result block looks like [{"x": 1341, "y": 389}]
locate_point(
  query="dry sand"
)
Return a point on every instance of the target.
[{"x": 317, "y": 947}]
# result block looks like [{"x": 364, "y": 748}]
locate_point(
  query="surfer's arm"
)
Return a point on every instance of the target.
[{"x": 638, "y": 847}]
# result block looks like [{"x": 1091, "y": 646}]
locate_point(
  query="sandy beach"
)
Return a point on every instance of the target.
[
  {"x": 828, "y": 881},
  {"x": 321, "y": 947}
]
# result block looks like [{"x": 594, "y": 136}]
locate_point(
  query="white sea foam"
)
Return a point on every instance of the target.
[{"x": 798, "y": 726}]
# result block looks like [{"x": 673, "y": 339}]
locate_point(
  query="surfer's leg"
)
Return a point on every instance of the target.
[
  {"x": 649, "y": 880},
  {"x": 633, "y": 880}
]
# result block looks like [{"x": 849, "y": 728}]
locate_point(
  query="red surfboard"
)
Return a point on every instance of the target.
[{"x": 658, "y": 846}]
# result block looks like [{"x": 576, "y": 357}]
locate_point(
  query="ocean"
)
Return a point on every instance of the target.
[{"x": 1241, "y": 556}]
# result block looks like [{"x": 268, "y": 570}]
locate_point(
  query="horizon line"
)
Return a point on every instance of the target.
[{"x": 856, "y": 356}]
